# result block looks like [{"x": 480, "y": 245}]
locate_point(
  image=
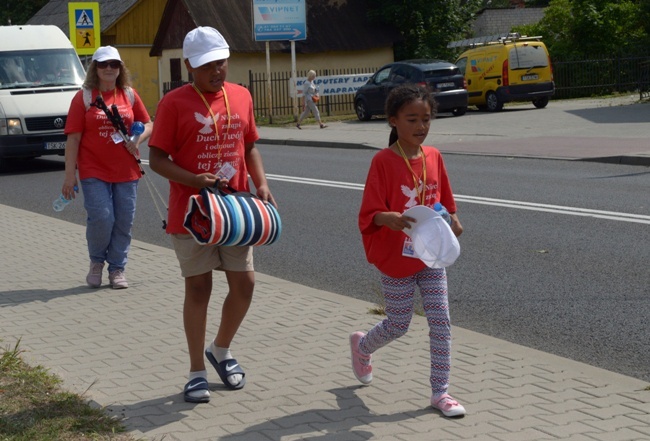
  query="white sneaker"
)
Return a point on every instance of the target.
[{"x": 448, "y": 406}]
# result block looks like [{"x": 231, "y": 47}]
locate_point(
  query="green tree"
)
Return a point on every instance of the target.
[
  {"x": 427, "y": 26},
  {"x": 17, "y": 12},
  {"x": 586, "y": 28}
]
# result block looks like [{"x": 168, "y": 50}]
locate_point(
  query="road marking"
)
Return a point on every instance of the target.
[{"x": 560, "y": 209}]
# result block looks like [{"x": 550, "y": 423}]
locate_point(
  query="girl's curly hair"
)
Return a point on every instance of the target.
[{"x": 405, "y": 94}]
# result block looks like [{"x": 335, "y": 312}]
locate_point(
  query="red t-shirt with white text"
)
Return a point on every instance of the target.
[
  {"x": 185, "y": 130},
  {"x": 390, "y": 187},
  {"x": 99, "y": 156}
]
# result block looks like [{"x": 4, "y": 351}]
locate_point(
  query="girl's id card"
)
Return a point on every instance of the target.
[{"x": 407, "y": 249}]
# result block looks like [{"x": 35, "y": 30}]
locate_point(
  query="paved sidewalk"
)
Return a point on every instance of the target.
[
  {"x": 605, "y": 130},
  {"x": 125, "y": 351}
]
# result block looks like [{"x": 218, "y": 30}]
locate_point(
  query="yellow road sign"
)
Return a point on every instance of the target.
[{"x": 84, "y": 27}]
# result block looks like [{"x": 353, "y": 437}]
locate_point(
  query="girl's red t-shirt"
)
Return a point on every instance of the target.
[{"x": 390, "y": 187}]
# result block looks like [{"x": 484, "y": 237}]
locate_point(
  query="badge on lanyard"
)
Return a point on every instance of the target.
[{"x": 226, "y": 171}]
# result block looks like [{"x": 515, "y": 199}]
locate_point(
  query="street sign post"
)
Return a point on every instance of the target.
[
  {"x": 85, "y": 32},
  {"x": 279, "y": 20}
]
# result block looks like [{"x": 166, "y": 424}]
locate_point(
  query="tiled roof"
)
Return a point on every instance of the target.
[
  {"x": 56, "y": 13},
  {"x": 332, "y": 25}
]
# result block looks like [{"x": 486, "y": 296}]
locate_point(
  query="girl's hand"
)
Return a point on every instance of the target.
[{"x": 393, "y": 220}]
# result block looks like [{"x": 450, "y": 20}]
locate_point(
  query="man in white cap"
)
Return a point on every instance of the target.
[{"x": 205, "y": 134}]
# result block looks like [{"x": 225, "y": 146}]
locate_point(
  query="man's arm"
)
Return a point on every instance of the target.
[
  {"x": 160, "y": 162},
  {"x": 255, "y": 168}
]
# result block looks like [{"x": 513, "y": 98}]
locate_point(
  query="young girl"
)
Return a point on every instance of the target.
[{"x": 401, "y": 176}]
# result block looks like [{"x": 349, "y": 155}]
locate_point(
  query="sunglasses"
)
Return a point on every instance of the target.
[{"x": 112, "y": 64}]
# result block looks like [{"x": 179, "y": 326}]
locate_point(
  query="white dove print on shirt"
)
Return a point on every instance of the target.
[
  {"x": 206, "y": 121},
  {"x": 411, "y": 194}
]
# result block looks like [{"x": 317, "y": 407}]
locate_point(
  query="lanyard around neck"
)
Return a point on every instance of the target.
[
  {"x": 421, "y": 193},
  {"x": 114, "y": 94},
  {"x": 214, "y": 118}
]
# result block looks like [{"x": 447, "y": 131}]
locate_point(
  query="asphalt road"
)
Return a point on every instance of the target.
[{"x": 572, "y": 285}]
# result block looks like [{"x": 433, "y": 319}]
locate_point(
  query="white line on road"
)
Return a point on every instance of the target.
[{"x": 574, "y": 211}]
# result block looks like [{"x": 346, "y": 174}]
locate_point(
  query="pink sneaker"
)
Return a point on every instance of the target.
[
  {"x": 448, "y": 406},
  {"x": 118, "y": 279},
  {"x": 361, "y": 363},
  {"x": 94, "y": 277}
]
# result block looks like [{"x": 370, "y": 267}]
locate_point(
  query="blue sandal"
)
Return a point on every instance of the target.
[
  {"x": 197, "y": 384},
  {"x": 226, "y": 369}
]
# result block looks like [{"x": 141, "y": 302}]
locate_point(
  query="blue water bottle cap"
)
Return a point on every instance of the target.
[
  {"x": 137, "y": 128},
  {"x": 437, "y": 206}
]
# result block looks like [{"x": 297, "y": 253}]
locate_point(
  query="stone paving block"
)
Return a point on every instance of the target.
[
  {"x": 524, "y": 435},
  {"x": 466, "y": 433},
  {"x": 571, "y": 429},
  {"x": 614, "y": 424}
]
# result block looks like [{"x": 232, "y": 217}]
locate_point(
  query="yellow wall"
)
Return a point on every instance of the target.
[
  {"x": 240, "y": 64},
  {"x": 133, "y": 36},
  {"x": 144, "y": 74}
]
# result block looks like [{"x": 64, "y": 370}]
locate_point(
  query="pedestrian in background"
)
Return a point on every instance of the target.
[
  {"x": 108, "y": 171},
  {"x": 310, "y": 98},
  {"x": 400, "y": 176},
  {"x": 205, "y": 134}
]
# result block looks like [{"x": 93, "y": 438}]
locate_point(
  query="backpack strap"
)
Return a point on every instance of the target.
[
  {"x": 129, "y": 93},
  {"x": 88, "y": 96}
]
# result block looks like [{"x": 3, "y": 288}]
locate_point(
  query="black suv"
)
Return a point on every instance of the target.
[{"x": 444, "y": 78}]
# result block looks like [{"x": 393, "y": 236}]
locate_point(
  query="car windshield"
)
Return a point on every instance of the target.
[
  {"x": 528, "y": 57},
  {"x": 40, "y": 68}
]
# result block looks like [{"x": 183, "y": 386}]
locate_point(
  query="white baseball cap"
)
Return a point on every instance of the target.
[
  {"x": 433, "y": 241},
  {"x": 105, "y": 53},
  {"x": 204, "y": 45}
]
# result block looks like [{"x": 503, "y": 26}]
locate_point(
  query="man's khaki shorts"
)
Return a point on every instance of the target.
[{"x": 198, "y": 259}]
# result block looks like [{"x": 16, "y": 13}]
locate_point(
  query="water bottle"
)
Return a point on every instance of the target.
[
  {"x": 137, "y": 129},
  {"x": 442, "y": 211},
  {"x": 60, "y": 202}
]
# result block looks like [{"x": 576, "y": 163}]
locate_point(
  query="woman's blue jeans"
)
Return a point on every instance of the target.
[{"x": 111, "y": 210}]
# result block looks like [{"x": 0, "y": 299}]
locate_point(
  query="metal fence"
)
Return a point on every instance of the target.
[
  {"x": 281, "y": 101},
  {"x": 644, "y": 82},
  {"x": 573, "y": 79},
  {"x": 584, "y": 78}
]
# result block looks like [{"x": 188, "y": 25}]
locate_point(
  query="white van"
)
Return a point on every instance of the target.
[{"x": 40, "y": 72}]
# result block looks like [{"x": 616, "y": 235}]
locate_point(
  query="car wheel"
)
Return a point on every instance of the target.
[
  {"x": 540, "y": 103},
  {"x": 362, "y": 111},
  {"x": 459, "y": 111},
  {"x": 492, "y": 102}
]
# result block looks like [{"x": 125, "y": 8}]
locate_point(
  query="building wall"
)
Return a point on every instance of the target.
[
  {"x": 239, "y": 65},
  {"x": 133, "y": 35},
  {"x": 498, "y": 21}
]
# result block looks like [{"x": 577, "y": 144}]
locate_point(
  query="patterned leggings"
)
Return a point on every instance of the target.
[{"x": 399, "y": 296}]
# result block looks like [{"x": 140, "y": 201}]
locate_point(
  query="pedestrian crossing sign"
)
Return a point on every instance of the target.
[{"x": 84, "y": 27}]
